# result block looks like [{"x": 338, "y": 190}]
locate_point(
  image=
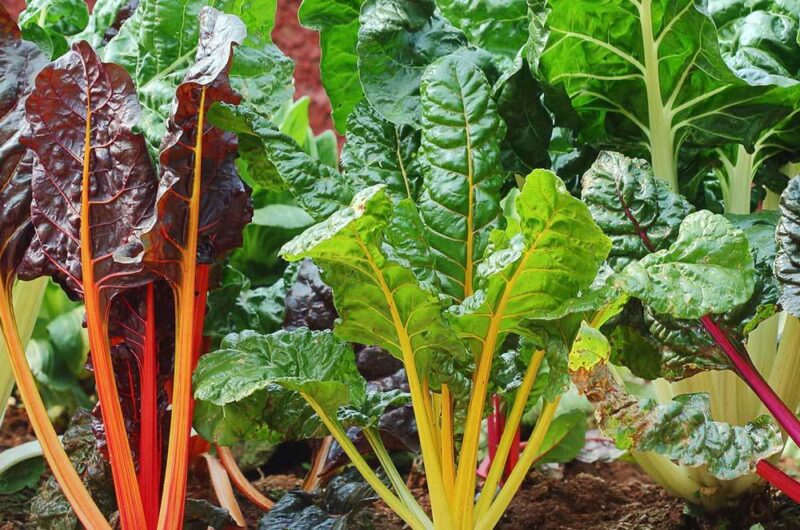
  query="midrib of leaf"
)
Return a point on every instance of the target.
[
  {"x": 465, "y": 480},
  {"x": 176, "y": 469},
  {"x": 126, "y": 485},
  {"x": 468, "y": 288},
  {"x": 400, "y": 163},
  {"x": 426, "y": 434}
]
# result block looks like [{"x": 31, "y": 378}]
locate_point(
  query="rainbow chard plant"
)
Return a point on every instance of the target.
[{"x": 131, "y": 239}]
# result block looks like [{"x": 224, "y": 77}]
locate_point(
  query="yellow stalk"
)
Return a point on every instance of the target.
[
  {"x": 419, "y": 402},
  {"x": 87, "y": 511},
  {"x": 447, "y": 443},
  {"x": 517, "y": 409},
  {"x": 529, "y": 455},
  {"x": 361, "y": 465}
]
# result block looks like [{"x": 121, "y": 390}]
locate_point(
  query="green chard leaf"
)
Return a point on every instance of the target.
[
  {"x": 787, "y": 261},
  {"x": 337, "y": 22},
  {"x": 537, "y": 272},
  {"x": 259, "y": 377},
  {"x": 758, "y": 40},
  {"x": 234, "y": 306},
  {"x": 49, "y": 23},
  {"x": 379, "y": 300},
  {"x": 654, "y": 83},
  {"x": 158, "y": 44},
  {"x": 498, "y": 26},
  {"x": 275, "y": 161},
  {"x": 681, "y": 429},
  {"x": 379, "y": 152},
  {"x": 397, "y": 40},
  {"x": 105, "y": 20},
  {"x": 636, "y": 210},
  {"x": 707, "y": 270},
  {"x": 462, "y": 177}
]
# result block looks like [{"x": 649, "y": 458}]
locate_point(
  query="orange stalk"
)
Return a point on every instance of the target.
[
  {"x": 85, "y": 508},
  {"x": 174, "y": 496},
  {"x": 223, "y": 490},
  {"x": 126, "y": 485},
  {"x": 240, "y": 481}
]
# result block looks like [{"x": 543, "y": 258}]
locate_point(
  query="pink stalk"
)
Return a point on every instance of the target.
[
  {"x": 782, "y": 414},
  {"x": 779, "y": 479}
]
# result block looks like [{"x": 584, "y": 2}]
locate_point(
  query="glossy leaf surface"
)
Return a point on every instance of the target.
[
  {"x": 460, "y": 159},
  {"x": 707, "y": 270},
  {"x": 20, "y": 61},
  {"x": 81, "y": 117}
]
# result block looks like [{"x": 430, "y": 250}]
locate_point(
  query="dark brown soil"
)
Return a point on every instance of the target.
[{"x": 16, "y": 428}]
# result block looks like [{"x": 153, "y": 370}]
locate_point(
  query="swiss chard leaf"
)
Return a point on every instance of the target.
[
  {"x": 654, "y": 84},
  {"x": 534, "y": 271},
  {"x": 758, "y": 40},
  {"x": 460, "y": 160},
  {"x": 159, "y": 42},
  {"x": 20, "y": 61},
  {"x": 636, "y": 210},
  {"x": 498, "y": 26},
  {"x": 681, "y": 429},
  {"x": 787, "y": 260},
  {"x": 380, "y": 152},
  {"x": 379, "y": 300},
  {"x": 81, "y": 117},
  {"x": 397, "y": 40},
  {"x": 337, "y": 22},
  {"x": 209, "y": 186},
  {"x": 707, "y": 270}
]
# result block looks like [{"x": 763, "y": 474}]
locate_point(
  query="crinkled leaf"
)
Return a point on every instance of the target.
[
  {"x": 707, "y": 270},
  {"x": 681, "y": 429},
  {"x": 20, "y": 61},
  {"x": 787, "y": 260},
  {"x": 379, "y": 301},
  {"x": 309, "y": 302},
  {"x": 337, "y": 23},
  {"x": 460, "y": 159},
  {"x": 498, "y": 26},
  {"x": 312, "y": 362},
  {"x": 79, "y": 98},
  {"x": 49, "y": 508},
  {"x": 201, "y": 515},
  {"x": 538, "y": 271},
  {"x": 160, "y": 41},
  {"x": 758, "y": 40},
  {"x": 48, "y": 23},
  {"x": 379, "y": 152},
  {"x": 222, "y": 199},
  {"x": 334, "y": 508},
  {"x": 397, "y": 40},
  {"x": 235, "y": 306},
  {"x": 276, "y": 161},
  {"x": 636, "y": 210}
]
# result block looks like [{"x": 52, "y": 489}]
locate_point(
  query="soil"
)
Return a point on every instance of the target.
[{"x": 16, "y": 427}]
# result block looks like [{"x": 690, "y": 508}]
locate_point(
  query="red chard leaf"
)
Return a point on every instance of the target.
[
  {"x": 79, "y": 98},
  {"x": 19, "y": 63}
]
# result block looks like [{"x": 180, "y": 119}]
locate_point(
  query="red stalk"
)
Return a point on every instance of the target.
[
  {"x": 755, "y": 381},
  {"x": 150, "y": 439},
  {"x": 779, "y": 479}
]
